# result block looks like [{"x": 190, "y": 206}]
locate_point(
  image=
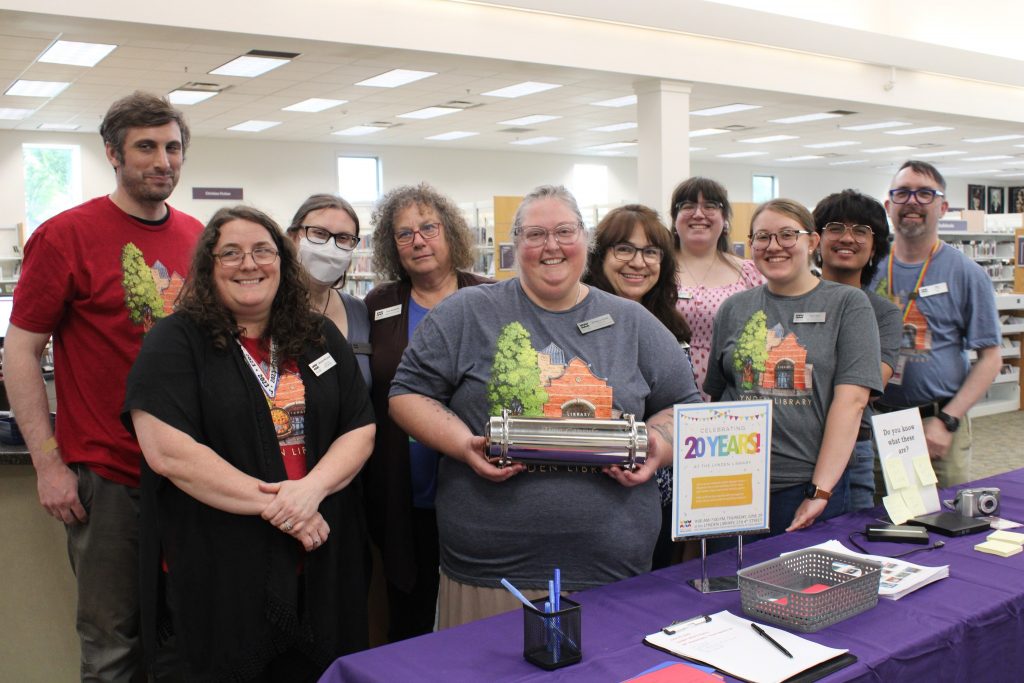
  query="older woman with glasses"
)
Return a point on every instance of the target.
[
  {"x": 253, "y": 421},
  {"x": 540, "y": 344},
  {"x": 706, "y": 271},
  {"x": 325, "y": 230},
  {"x": 811, "y": 347},
  {"x": 421, "y": 243}
]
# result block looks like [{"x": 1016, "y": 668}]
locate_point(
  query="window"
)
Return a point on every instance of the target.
[
  {"x": 590, "y": 184},
  {"x": 359, "y": 179},
  {"x": 53, "y": 181},
  {"x": 765, "y": 187}
]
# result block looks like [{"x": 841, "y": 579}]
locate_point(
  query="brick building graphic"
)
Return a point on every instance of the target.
[
  {"x": 169, "y": 285},
  {"x": 916, "y": 337},
  {"x": 288, "y": 409},
  {"x": 577, "y": 392},
  {"x": 149, "y": 291},
  {"x": 786, "y": 368}
]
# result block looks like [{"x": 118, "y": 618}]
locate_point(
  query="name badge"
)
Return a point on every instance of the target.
[
  {"x": 815, "y": 317},
  {"x": 362, "y": 348},
  {"x": 685, "y": 294},
  {"x": 932, "y": 290},
  {"x": 597, "y": 323},
  {"x": 389, "y": 312},
  {"x": 322, "y": 364}
]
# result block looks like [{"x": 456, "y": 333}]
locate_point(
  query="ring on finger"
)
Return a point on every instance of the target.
[{"x": 287, "y": 526}]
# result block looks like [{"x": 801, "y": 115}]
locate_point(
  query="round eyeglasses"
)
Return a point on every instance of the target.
[
  {"x": 924, "y": 195},
  {"x": 759, "y": 241},
  {"x": 427, "y": 231},
  {"x": 708, "y": 208},
  {"x": 318, "y": 235},
  {"x": 233, "y": 257},
  {"x": 835, "y": 231},
  {"x": 624, "y": 251},
  {"x": 536, "y": 236}
]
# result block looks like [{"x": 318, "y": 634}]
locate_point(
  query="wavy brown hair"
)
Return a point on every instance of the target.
[
  {"x": 617, "y": 227},
  {"x": 140, "y": 110},
  {"x": 386, "y": 263},
  {"x": 317, "y": 202},
  {"x": 292, "y": 324}
]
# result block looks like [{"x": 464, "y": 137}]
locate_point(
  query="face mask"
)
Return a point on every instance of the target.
[{"x": 324, "y": 262}]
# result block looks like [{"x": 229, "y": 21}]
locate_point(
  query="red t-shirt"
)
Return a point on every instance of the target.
[{"x": 98, "y": 279}]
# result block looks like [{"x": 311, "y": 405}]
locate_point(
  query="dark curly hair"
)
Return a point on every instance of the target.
[
  {"x": 386, "y": 263},
  {"x": 850, "y": 206},
  {"x": 317, "y": 202},
  {"x": 617, "y": 227},
  {"x": 293, "y": 325},
  {"x": 691, "y": 190}
]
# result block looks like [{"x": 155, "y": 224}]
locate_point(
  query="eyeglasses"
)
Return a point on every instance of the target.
[
  {"x": 624, "y": 251},
  {"x": 427, "y": 231},
  {"x": 233, "y": 257},
  {"x": 835, "y": 231},
  {"x": 536, "y": 236},
  {"x": 707, "y": 208},
  {"x": 786, "y": 238},
  {"x": 925, "y": 195},
  {"x": 318, "y": 235}
]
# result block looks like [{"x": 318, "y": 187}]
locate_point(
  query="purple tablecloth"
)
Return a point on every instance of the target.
[{"x": 967, "y": 627}]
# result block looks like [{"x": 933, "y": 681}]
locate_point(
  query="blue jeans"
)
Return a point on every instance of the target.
[{"x": 861, "y": 472}]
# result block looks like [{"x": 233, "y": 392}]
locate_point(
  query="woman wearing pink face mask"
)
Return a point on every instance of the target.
[{"x": 325, "y": 230}]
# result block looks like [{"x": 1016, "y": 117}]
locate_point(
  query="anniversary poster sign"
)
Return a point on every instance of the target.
[{"x": 721, "y": 468}]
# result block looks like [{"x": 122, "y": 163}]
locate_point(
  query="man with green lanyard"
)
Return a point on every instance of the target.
[{"x": 948, "y": 308}]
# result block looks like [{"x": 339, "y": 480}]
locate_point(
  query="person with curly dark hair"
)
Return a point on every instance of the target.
[
  {"x": 254, "y": 421},
  {"x": 421, "y": 242}
]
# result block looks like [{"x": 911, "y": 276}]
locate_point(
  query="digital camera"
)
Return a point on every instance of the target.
[{"x": 980, "y": 502}]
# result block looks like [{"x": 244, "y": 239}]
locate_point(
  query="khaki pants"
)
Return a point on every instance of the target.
[{"x": 460, "y": 603}]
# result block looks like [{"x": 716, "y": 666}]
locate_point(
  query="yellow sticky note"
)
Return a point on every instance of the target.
[
  {"x": 1006, "y": 537},
  {"x": 999, "y": 548},
  {"x": 912, "y": 499},
  {"x": 923, "y": 467},
  {"x": 896, "y": 508},
  {"x": 897, "y": 475}
]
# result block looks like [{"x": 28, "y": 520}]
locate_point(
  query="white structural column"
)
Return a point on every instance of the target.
[{"x": 663, "y": 123}]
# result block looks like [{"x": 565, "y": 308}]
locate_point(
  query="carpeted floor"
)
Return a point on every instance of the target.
[{"x": 998, "y": 444}]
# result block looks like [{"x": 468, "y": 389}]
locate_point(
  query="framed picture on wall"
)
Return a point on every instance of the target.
[
  {"x": 1015, "y": 200},
  {"x": 996, "y": 200},
  {"x": 976, "y": 197},
  {"x": 506, "y": 256}
]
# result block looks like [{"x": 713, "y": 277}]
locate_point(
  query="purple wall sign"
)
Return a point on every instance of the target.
[{"x": 216, "y": 193}]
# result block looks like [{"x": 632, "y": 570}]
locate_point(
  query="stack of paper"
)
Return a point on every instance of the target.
[
  {"x": 899, "y": 577},
  {"x": 1002, "y": 543}
]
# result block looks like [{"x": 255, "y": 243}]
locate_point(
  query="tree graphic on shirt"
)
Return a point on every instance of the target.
[
  {"x": 141, "y": 297},
  {"x": 515, "y": 382},
  {"x": 751, "y": 350}
]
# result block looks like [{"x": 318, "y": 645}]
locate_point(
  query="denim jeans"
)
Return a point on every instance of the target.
[{"x": 861, "y": 472}]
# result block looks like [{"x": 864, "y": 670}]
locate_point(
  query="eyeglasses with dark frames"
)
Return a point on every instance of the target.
[
  {"x": 624, "y": 251},
  {"x": 835, "y": 231},
  {"x": 233, "y": 257},
  {"x": 318, "y": 235},
  {"x": 427, "y": 231},
  {"x": 708, "y": 208},
  {"x": 760, "y": 241},
  {"x": 924, "y": 195}
]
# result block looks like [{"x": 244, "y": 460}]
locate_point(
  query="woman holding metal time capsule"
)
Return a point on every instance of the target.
[{"x": 540, "y": 344}]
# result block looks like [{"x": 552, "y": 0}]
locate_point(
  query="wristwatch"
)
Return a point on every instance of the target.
[
  {"x": 951, "y": 423},
  {"x": 813, "y": 492}
]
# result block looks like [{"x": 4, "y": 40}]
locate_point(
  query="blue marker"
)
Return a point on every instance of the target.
[{"x": 515, "y": 591}]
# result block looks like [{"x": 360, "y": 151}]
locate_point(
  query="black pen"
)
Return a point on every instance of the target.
[{"x": 760, "y": 632}]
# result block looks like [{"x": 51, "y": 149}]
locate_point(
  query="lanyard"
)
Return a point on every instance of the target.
[
  {"x": 267, "y": 382},
  {"x": 920, "y": 279}
]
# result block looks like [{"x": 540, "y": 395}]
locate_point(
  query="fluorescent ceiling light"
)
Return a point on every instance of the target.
[
  {"x": 76, "y": 54},
  {"x": 15, "y": 114},
  {"x": 848, "y": 162},
  {"x": 946, "y": 153},
  {"x": 616, "y": 102},
  {"x": 529, "y": 120},
  {"x": 313, "y": 105},
  {"x": 37, "y": 88},
  {"x": 769, "y": 138},
  {"x": 534, "y": 141},
  {"x": 702, "y": 132},
  {"x": 254, "y": 126},
  {"x": 876, "y": 126},
  {"x": 697, "y": 149},
  {"x": 521, "y": 89},
  {"x": 806, "y": 117},
  {"x": 612, "y": 145},
  {"x": 828, "y": 145},
  {"x": 805, "y": 157},
  {"x": 737, "y": 155},
  {"x": 188, "y": 97},
  {"x": 250, "y": 65},
  {"x": 359, "y": 130},
  {"x": 987, "y": 171},
  {"x": 724, "y": 109},
  {"x": 915, "y": 131},
  {"x": 453, "y": 135},
  {"x": 428, "y": 113},
  {"x": 992, "y": 157},
  {"x": 627, "y": 125},
  {"x": 58, "y": 126},
  {"x": 895, "y": 148},
  {"x": 1009, "y": 175},
  {"x": 994, "y": 138},
  {"x": 395, "y": 78}
]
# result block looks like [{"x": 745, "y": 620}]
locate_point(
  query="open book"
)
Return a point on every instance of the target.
[
  {"x": 899, "y": 577},
  {"x": 729, "y": 644}
]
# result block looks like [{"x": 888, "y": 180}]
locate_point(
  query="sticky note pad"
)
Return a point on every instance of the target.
[
  {"x": 912, "y": 499},
  {"x": 1000, "y": 548},
  {"x": 1007, "y": 537},
  {"x": 925, "y": 473},
  {"x": 897, "y": 475},
  {"x": 896, "y": 508}
]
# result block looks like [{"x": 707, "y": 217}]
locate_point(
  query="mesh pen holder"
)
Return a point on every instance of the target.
[
  {"x": 552, "y": 640},
  {"x": 809, "y": 589}
]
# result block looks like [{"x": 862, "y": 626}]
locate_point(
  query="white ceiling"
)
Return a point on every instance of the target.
[{"x": 162, "y": 58}]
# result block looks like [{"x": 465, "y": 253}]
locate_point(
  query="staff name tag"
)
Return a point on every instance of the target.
[
  {"x": 815, "y": 317},
  {"x": 597, "y": 323},
  {"x": 389, "y": 312},
  {"x": 932, "y": 290},
  {"x": 322, "y": 364},
  {"x": 685, "y": 294}
]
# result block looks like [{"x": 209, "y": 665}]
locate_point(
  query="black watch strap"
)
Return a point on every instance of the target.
[{"x": 951, "y": 423}]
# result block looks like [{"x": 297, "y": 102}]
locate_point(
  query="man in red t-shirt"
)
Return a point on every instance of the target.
[{"x": 96, "y": 278}]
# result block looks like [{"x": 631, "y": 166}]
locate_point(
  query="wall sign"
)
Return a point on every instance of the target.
[{"x": 216, "y": 193}]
